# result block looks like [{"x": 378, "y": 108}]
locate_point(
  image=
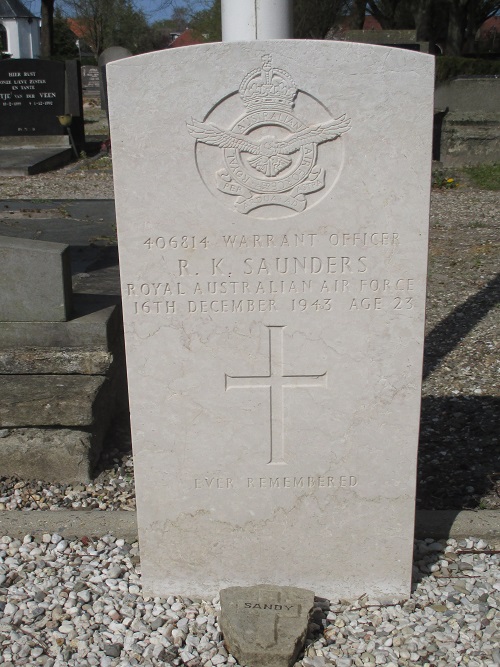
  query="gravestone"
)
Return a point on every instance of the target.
[
  {"x": 467, "y": 126},
  {"x": 34, "y": 94},
  {"x": 109, "y": 55},
  {"x": 46, "y": 299},
  {"x": 31, "y": 97},
  {"x": 272, "y": 209},
  {"x": 60, "y": 362},
  {"x": 90, "y": 81}
]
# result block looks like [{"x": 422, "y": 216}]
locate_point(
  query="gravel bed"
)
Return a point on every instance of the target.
[
  {"x": 80, "y": 180},
  {"x": 80, "y": 603}
]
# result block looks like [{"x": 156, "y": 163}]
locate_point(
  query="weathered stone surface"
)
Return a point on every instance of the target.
[
  {"x": 470, "y": 138},
  {"x": 273, "y": 243},
  {"x": 95, "y": 323},
  {"x": 29, "y": 161},
  {"x": 52, "y": 455},
  {"x": 52, "y": 400},
  {"x": 265, "y": 626},
  {"x": 35, "y": 280},
  {"x": 470, "y": 94},
  {"x": 54, "y": 361}
]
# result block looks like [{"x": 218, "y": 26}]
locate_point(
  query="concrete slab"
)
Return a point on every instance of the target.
[
  {"x": 29, "y": 161},
  {"x": 469, "y": 138},
  {"x": 54, "y": 361},
  {"x": 96, "y": 323},
  {"x": 69, "y": 523},
  {"x": 35, "y": 280},
  {"x": 440, "y": 524},
  {"x": 87, "y": 348},
  {"x": 52, "y": 455},
  {"x": 52, "y": 400},
  {"x": 34, "y": 141},
  {"x": 87, "y": 226},
  {"x": 100, "y": 212}
]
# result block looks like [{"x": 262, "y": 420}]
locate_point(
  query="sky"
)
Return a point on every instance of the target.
[{"x": 155, "y": 10}]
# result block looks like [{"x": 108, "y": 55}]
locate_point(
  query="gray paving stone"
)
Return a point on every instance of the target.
[
  {"x": 96, "y": 322},
  {"x": 28, "y": 161},
  {"x": 35, "y": 280},
  {"x": 52, "y": 455},
  {"x": 54, "y": 361},
  {"x": 52, "y": 400}
]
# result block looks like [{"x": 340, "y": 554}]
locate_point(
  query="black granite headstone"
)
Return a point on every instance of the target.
[
  {"x": 74, "y": 101},
  {"x": 90, "y": 80},
  {"x": 32, "y": 95}
]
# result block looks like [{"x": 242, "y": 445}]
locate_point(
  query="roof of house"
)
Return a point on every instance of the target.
[
  {"x": 76, "y": 26},
  {"x": 491, "y": 25},
  {"x": 371, "y": 23},
  {"x": 14, "y": 9},
  {"x": 187, "y": 38}
]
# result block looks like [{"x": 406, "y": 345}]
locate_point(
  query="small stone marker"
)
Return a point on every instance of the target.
[
  {"x": 90, "y": 80},
  {"x": 265, "y": 626},
  {"x": 272, "y": 208},
  {"x": 35, "y": 280}
]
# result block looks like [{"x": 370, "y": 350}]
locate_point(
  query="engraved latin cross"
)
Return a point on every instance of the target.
[{"x": 275, "y": 381}]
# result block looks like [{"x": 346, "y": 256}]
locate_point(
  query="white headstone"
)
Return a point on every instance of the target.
[{"x": 272, "y": 203}]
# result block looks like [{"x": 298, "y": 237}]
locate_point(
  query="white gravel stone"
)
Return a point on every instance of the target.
[{"x": 447, "y": 621}]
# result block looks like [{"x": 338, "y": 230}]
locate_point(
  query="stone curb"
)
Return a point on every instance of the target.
[{"x": 440, "y": 524}]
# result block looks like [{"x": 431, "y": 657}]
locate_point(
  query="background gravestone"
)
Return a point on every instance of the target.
[
  {"x": 32, "y": 95},
  {"x": 90, "y": 80},
  {"x": 46, "y": 299},
  {"x": 109, "y": 55},
  {"x": 61, "y": 367},
  {"x": 272, "y": 212},
  {"x": 467, "y": 121}
]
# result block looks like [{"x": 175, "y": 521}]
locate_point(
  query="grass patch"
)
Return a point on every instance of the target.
[
  {"x": 99, "y": 164},
  {"x": 443, "y": 181},
  {"x": 484, "y": 176}
]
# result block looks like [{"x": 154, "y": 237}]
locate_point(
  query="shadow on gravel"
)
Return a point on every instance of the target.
[
  {"x": 459, "y": 456},
  {"x": 447, "y": 334}
]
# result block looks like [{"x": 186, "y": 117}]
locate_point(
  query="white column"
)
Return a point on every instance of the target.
[{"x": 246, "y": 20}]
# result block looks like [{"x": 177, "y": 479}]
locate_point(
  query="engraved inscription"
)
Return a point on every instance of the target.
[
  {"x": 221, "y": 275},
  {"x": 275, "y": 382},
  {"x": 272, "y": 607},
  {"x": 335, "y": 482},
  {"x": 270, "y": 155}
]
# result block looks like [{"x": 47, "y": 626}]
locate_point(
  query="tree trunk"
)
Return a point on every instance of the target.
[
  {"x": 47, "y": 30},
  {"x": 457, "y": 21},
  {"x": 421, "y": 10},
  {"x": 358, "y": 12},
  {"x": 383, "y": 13}
]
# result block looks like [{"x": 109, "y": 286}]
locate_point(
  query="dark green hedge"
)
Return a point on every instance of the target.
[{"x": 448, "y": 67}]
